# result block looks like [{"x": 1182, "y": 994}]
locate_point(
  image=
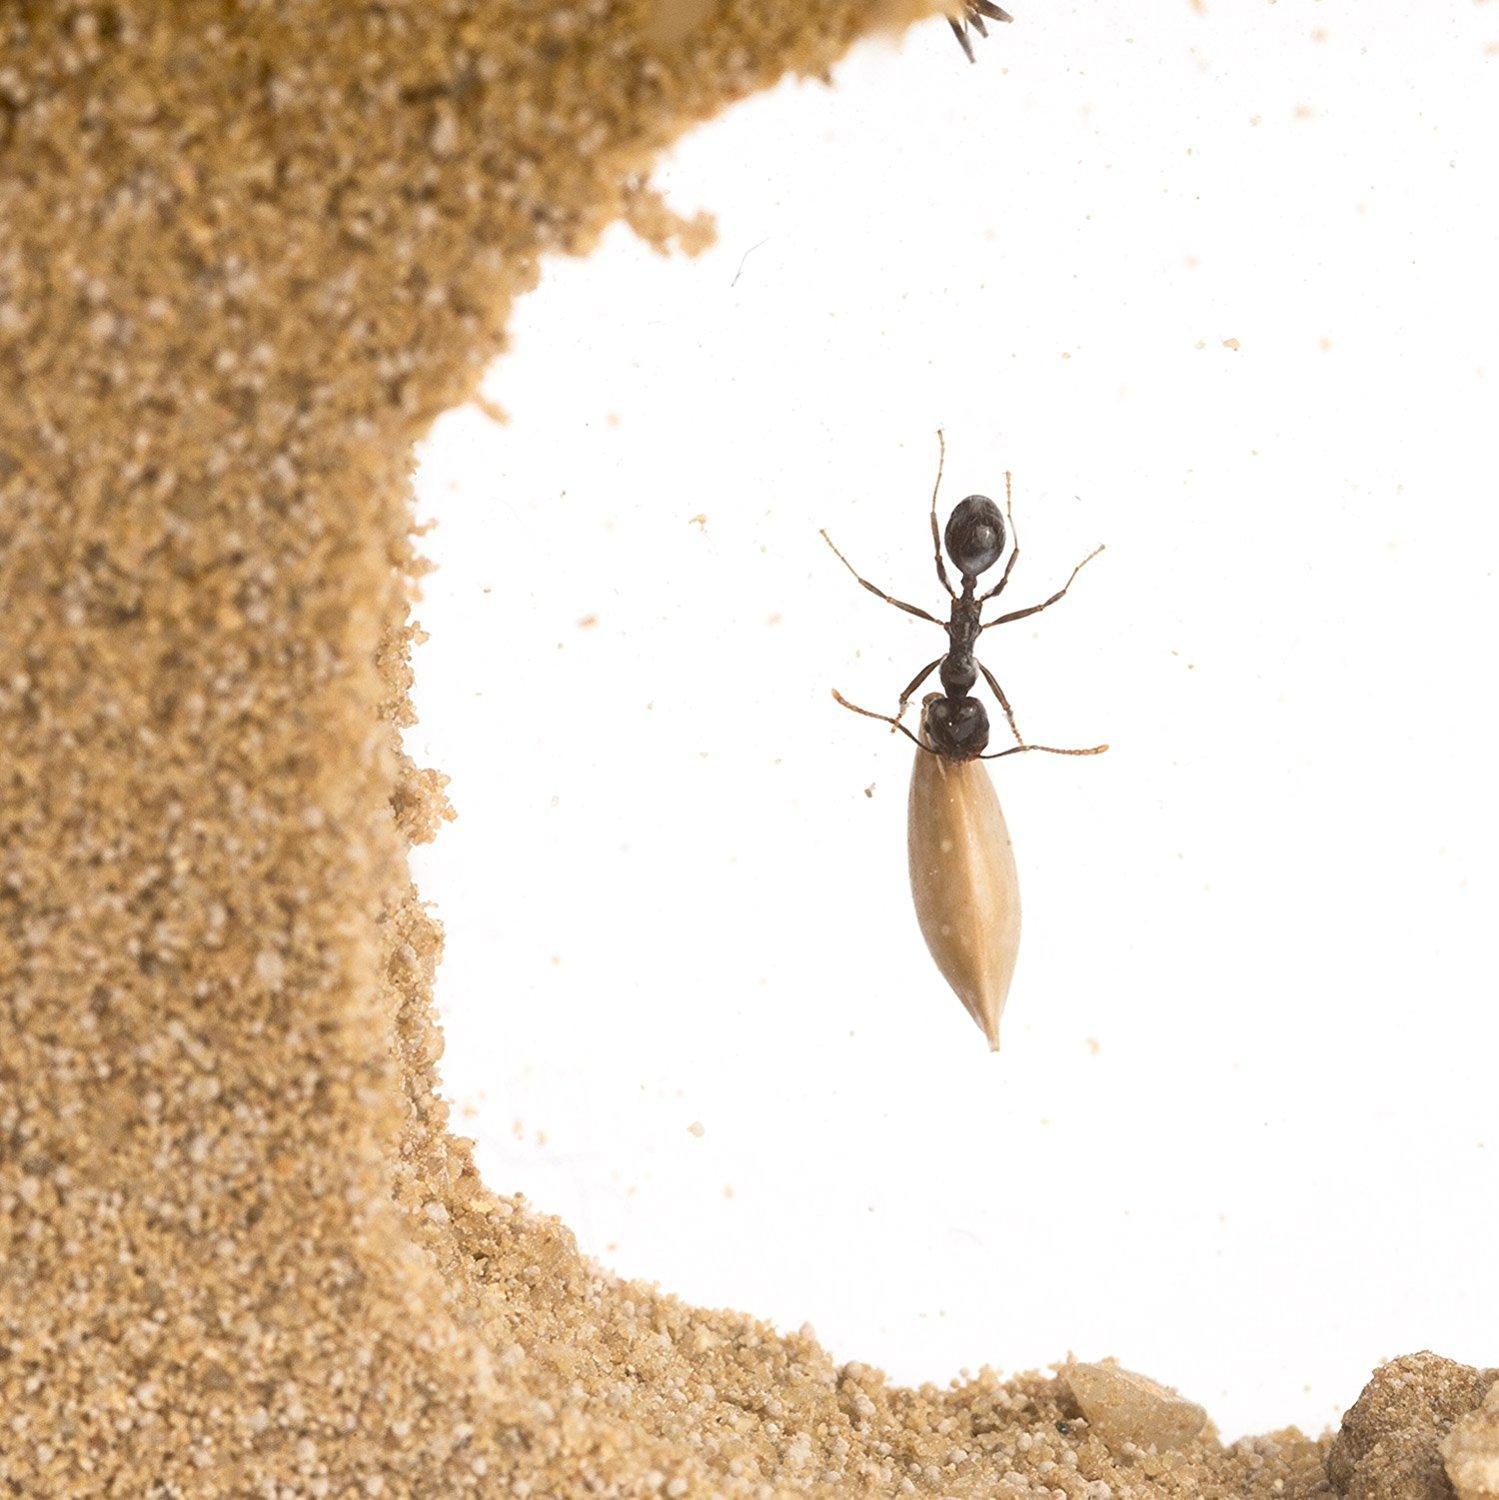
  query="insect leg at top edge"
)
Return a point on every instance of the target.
[{"x": 974, "y": 12}]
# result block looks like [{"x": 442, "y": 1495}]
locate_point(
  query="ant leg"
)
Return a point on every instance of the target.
[
  {"x": 1004, "y": 702},
  {"x": 879, "y": 593},
  {"x": 869, "y": 713},
  {"x": 1004, "y": 577},
  {"x": 916, "y": 682},
  {"x": 962, "y": 36},
  {"x": 1035, "y": 609},
  {"x": 936, "y": 536},
  {"x": 1049, "y": 749}
]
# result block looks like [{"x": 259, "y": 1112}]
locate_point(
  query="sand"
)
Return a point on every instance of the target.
[{"x": 247, "y": 254}]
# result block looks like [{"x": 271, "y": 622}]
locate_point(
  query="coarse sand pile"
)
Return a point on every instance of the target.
[{"x": 248, "y": 251}]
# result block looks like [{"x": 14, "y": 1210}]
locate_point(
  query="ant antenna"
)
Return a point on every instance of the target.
[
  {"x": 1049, "y": 749},
  {"x": 869, "y": 713}
]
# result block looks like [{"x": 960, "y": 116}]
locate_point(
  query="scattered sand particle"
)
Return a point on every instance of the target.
[{"x": 491, "y": 409}]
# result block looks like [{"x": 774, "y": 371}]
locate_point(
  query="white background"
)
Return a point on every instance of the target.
[{"x": 1242, "y": 1134}]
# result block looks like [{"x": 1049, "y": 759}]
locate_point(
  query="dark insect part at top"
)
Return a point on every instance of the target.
[
  {"x": 954, "y": 724},
  {"x": 974, "y": 13}
]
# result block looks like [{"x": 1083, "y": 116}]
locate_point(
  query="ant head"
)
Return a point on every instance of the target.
[
  {"x": 975, "y": 535},
  {"x": 956, "y": 728}
]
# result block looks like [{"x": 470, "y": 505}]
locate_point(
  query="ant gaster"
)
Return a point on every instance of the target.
[{"x": 954, "y": 724}]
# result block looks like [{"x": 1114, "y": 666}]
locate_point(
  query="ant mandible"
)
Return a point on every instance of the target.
[{"x": 955, "y": 725}]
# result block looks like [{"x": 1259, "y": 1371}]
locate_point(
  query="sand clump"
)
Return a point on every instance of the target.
[
  {"x": 1470, "y": 1451},
  {"x": 249, "y": 254},
  {"x": 1390, "y": 1446}
]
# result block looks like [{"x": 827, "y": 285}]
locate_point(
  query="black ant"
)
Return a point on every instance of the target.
[
  {"x": 955, "y": 725},
  {"x": 974, "y": 12}
]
